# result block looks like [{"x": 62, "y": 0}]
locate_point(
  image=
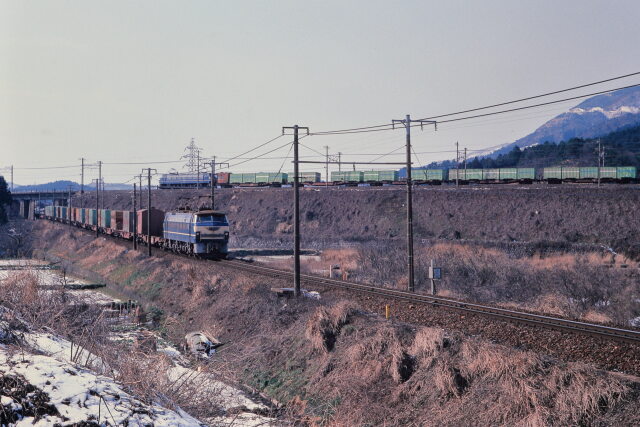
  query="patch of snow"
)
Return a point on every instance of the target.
[
  {"x": 80, "y": 395},
  {"x": 231, "y": 397},
  {"x": 610, "y": 114},
  {"x": 64, "y": 350}
]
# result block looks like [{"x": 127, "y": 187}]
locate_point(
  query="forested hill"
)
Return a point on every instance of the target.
[{"x": 622, "y": 148}]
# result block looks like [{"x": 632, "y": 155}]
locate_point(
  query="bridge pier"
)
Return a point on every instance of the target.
[{"x": 26, "y": 209}]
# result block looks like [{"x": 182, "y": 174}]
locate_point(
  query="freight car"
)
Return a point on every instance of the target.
[
  {"x": 202, "y": 233},
  {"x": 522, "y": 175},
  {"x": 621, "y": 174},
  {"x": 559, "y": 174}
]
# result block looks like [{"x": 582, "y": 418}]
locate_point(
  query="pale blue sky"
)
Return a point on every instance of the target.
[{"x": 127, "y": 81}]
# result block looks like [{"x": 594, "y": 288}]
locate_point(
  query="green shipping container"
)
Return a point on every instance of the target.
[
  {"x": 347, "y": 176},
  {"x": 105, "y": 218},
  {"x": 588, "y": 172},
  {"x": 466, "y": 175},
  {"x": 552, "y": 173},
  {"x": 456, "y": 174},
  {"x": 491, "y": 174},
  {"x": 609, "y": 172},
  {"x": 381, "y": 175},
  {"x": 417, "y": 174},
  {"x": 507, "y": 174},
  {"x": 435, "y": 175},
  {"x": 310, "y": 176},
  {"x": 473, "y": 175},
  {"x": 570, "y": 172},
  {"x": 271, "y": 177},
  {"x": 526, "y": 173},
  {"x": 626, "y": 172},
  {"x": 243, "y": 178}
]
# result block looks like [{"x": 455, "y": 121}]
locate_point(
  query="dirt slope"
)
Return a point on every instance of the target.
[{"x": 330, "y": 361}]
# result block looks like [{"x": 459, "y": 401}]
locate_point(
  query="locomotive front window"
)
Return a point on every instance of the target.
[{"x": 209, "y": 218}]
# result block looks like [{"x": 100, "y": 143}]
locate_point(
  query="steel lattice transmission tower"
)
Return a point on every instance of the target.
[{"x": 193, "y": 157}]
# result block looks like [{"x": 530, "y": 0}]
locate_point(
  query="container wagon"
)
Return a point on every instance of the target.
[
  {"x": 271, "y": 178},
  {"x": 309, "y": 177},
  {"x": 347, "y": 176},
  {"x": 380, "y": 176}
]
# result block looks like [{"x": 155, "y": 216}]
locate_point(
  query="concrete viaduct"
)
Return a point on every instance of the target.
[{"x": 25, "y": 202}]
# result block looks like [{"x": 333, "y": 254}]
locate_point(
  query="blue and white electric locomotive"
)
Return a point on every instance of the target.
[{"x": 201, "y": 233}]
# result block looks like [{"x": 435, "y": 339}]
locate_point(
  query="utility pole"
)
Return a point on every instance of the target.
[
  {"x": 12, "y": 178},
  {"x": 407, "y": 124},
  {"x": 339, "y": 161},
  {"x": 600, "y": 160},
  {"x": 69, "y": 205},
  {"x": 296, "y": 209},
  {"x": 135, "y": 220},
  {"x": 214, "y": 179},
  {"x": 458, "y": 165},
  {"x": 82, "y": 176},
  {"x": 465, "y": 162},
  {"x": 326, "y": 166},
  {"x": 100, "y": 181},
  {"x": 149, "y": 209},
  {"x": 97, "y": 207}
]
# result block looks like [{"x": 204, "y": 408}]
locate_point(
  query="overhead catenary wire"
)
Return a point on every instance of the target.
[
  {"x": 387, "y": 126},
  {"x": 254, "y": 148},
  {"x": 383, "y": 127}
]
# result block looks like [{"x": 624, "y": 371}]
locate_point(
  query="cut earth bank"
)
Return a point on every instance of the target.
[{"x": 329, "y": 360}]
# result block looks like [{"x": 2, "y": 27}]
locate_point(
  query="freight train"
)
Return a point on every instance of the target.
[
  {"x": 559, "y": 174},
  {"x": 202, "y": 233}
]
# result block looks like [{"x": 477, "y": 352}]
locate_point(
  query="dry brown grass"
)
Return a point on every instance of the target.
[
  {"x": 137, "y": 366},
  {"x": 325, "y": 324},
  {"x": 391, "y": 375}
]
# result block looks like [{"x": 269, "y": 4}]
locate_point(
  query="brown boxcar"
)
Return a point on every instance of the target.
[
  {"x": 156, "y": 219},
  {"x": 116, "y": 220},
  {"x": 223, "y": 177}
]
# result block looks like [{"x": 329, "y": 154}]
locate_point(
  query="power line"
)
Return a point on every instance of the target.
[
  {"x": 385, "y": 127},
  {"x": 537, "y": 96},
  {"x": 536, "y": 105},
  {"x": 254, "y": 148},
  {"x": 260, "y": 156}
]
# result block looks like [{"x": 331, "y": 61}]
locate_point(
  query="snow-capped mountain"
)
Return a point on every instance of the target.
[{"x": 596, "y": 116}]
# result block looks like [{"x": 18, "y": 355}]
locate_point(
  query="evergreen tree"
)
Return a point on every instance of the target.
[{"x": 5, "y": 199}]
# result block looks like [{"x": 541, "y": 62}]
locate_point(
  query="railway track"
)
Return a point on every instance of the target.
[
  {"x": 532, "y": 319},
  {"x": 591, "y": 329}
]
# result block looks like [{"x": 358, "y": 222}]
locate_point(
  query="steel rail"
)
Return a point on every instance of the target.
[
  {"x": 557, "y": 323},
  {"x": 601, "y": 331}
]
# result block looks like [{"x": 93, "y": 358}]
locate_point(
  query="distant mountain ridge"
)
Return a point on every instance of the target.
[
  {"x": 65, "y": 185},
  {"x": 594, "y": 117}
]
